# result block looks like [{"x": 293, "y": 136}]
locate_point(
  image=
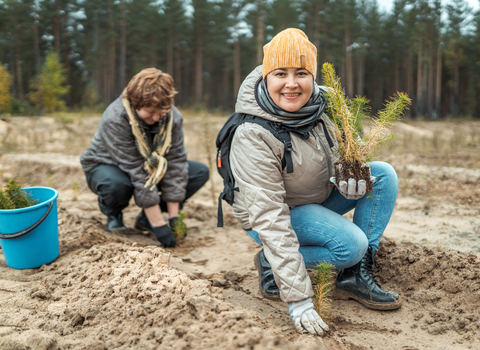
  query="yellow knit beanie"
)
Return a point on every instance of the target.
[{"x": 290, "y": 49}]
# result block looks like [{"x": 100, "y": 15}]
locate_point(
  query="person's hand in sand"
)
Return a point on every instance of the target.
[{"x": 305, "y": 318}]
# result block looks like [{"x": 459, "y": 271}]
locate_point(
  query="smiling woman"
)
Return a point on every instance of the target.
[{"x": 294, "y": 212}]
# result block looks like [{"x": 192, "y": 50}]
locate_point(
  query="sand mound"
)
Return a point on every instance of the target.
[
  {"x": 114, "y": 295},
  {"x": 443, "y": 286}
]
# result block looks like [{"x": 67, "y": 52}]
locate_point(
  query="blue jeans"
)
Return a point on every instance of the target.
[{"x": 325, "y": 235}]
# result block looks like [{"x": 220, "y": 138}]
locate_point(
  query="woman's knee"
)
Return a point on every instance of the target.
[
  {"x": 204, "y": 174},
  {"x": 358, "y": 249},
  {"x": 198, "y": 172},
  {"x": 114, "y": 191},
  {"x": 384, "y": 171}
]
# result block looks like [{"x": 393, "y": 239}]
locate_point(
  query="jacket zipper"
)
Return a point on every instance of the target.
[{"x": 318, "y": 141}]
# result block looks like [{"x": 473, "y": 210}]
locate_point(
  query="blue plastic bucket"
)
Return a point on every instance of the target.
[{"x": 29, "y": 236}]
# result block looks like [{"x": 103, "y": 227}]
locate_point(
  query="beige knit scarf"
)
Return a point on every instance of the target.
[{"x": 155, "y": 162}]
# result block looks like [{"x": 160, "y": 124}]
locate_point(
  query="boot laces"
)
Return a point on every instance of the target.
[{"x": 367, "y": 265}]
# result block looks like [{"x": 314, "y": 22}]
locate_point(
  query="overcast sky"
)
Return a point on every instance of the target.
[{"x": 387, "y": 4}]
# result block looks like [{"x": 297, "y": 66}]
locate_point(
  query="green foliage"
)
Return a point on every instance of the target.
[
  {"x": 49, "y": 85},
  {"x": 347, "y": 115},
  {"x": 323, "y": 279},
  {"x": 179, "y": 229},
  {"x": 13, "y": 197},
  {"x": 23, "y": 108},
  {"x": 5, "y": 87}
]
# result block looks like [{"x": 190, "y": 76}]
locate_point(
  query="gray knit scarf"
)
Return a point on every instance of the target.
[{"x": 304, "y": 117}]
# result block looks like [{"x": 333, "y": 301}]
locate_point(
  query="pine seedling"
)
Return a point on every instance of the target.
[
  {"x": 323, "y": 281},
  {"x": 76, "y": 190},
  {"x": 347, "y": 116},
  {"x": 179, "y": 228},
  {"x": 13, "y": 197}
]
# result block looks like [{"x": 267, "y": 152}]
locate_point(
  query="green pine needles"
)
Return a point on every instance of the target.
[
  {"x": 348, "y": 114},
  {"x": 323, "y": 280},
  {"x": 13, "y": 197}
]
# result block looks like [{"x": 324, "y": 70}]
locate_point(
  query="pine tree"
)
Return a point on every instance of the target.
[
  {"x": 5, "y": 90},
  {"x": 49, "y": 85}
]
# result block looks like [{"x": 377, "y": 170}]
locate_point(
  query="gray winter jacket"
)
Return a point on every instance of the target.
[
  {"x": 114, "y": 143},
  {"x": 267, "y": 193}
]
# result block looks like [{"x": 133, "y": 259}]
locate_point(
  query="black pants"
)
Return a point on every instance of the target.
[{"x": 114, "y": 188}]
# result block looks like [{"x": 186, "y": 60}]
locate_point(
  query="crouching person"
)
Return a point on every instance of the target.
[{"x": 138, "y": 150}]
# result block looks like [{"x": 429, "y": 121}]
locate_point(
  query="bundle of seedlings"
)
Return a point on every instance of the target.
[
  {"x": 323, "y": 279},
  {"x": 355, "y": 150},
  {"x": 13, "y": 197}
]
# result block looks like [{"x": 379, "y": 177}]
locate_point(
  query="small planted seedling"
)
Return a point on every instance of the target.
[
  {"x": 347, "y": 115},
  {"x": 13, "y": 197},
  {"x": 76, "y": 190},
  {"x": 323, "y": 280},
  {"x": 179, "y": 228}
]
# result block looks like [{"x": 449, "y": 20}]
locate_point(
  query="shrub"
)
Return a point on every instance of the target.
[
  {"x": 13, "y": 197},
  {"x": 49, "y": 85},
  {"x": 5, "y": 90}
]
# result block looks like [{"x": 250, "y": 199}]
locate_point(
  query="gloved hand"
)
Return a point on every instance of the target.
[
  {"x": 165, "y": 236},
  {"x": 352, "y": 190},
  {"x": 306, "y": 318}
]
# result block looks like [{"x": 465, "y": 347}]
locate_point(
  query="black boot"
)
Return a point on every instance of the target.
[
  {"x": 115, "y": 223},
  {"x": 357, "y": 282},
  {"x": 142, "y": 223},
  {"x": 268, "y": 287}
]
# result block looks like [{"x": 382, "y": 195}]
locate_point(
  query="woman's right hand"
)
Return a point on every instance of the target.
[{"x": 305, "y": 318}]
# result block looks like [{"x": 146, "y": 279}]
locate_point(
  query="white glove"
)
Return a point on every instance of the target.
[
  {"x": 352, "y": 190},
  {"x": 306, "y": 318}
]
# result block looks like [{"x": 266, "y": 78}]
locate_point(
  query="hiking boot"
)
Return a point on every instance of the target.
[
  {"x": 358, "y": 283},
  {"x": 115, "y": 223},
  {"x": 267, "y": 284},
  {"x": 142, "y": 224}
]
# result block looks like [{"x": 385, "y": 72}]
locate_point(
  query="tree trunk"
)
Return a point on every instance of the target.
[
  {"x": 348, "y": 60},
  {"x": 409, "y": 72},
  {"x": 236, "y": 66},
  {"x": 177, "y": 70},
  {"x": 456, "y": 83},
  {"x": 361, "y": 73},
  {"x": 198, "y": 68},
  {"x": 123, "y": 47},
  {"x": 260, "y": 36},
  {"x": 111, "y": 54},
  {"x": 56, "y": 27},
  {"x": 398, "y": 80},
  {"x": 316, "y": 37},
  {"x": 438, "y": 90},
  {"x": 36, "y": 44},
  {"x": 226, "y": 83},
  {"x": 170, "y": 48},
  {"x": 18, "y": 65},
  {"x": 430, "y": 89},
  {"x": 419, "y": 79}
]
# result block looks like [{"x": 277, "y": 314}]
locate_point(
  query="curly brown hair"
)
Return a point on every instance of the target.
[{"x": 151, "y": 88}]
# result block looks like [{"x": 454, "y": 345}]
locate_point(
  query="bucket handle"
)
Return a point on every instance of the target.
[{"x": 27, "y": 230}]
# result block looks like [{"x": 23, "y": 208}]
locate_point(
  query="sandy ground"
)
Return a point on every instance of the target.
[{"x": 109, "y": 291}]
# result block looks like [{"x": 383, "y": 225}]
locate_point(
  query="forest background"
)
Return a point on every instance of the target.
[{"x": 80, "y": 54}]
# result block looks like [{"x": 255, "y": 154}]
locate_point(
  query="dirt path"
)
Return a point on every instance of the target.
[{"x": 122, "y": 291}]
